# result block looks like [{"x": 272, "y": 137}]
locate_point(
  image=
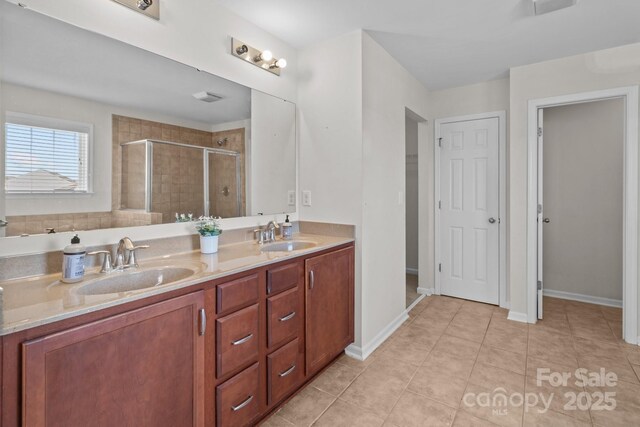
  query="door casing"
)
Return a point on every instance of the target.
[
  {"x": 502, "y": 225},
  {"x": 630, "y": 200}
]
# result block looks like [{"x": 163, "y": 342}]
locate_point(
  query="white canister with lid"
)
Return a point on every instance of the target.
[{"x": 73, "y": 261}]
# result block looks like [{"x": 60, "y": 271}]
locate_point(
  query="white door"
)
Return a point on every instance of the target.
[
  {"x": 469, "y": 210},
  {"x": 540, "y": 210}
]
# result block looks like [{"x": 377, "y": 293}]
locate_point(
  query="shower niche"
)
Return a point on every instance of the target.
[{"x": 161, "y": 179}]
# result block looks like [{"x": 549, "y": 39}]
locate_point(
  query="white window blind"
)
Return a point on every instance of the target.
[{"x": 46, "y": 159}]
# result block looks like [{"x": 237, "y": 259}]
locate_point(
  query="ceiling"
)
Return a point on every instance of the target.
[
  {"x": 47, "y": 54},
  {"x": 448, "y": 43}
]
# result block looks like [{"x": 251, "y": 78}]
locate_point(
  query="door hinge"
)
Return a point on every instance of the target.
[
  {"x": 539, "y": 285},
  {"x": 539, "y": 132},
  {"x": 439, "y": 204},
  {"x": 440, "y": 268},
  {"x": 440, "y": 142}
]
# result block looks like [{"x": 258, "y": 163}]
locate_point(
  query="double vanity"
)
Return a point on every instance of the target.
[{"x": 183, "y": 340}]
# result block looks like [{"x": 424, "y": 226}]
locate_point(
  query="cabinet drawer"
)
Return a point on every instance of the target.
[
  {"x": 283, "y": 317},
  {"x": 282, "y": 278},
  {"x": 236, "y": 340},
  {"x": 283, "y": 371},
  {"x": 237, "y": 400},
  {"x": 237, "y": 294}
]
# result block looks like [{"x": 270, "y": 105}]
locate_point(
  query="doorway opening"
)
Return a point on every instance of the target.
[
  {"x": 582, "y": 205},
  {"x": 412, "y": 217}
]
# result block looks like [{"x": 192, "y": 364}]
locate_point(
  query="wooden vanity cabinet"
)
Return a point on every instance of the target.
[
  {"x": 329, "y": 306},
  {"x": 145, "y": 365},
  {"x": 148, "y": 362}
]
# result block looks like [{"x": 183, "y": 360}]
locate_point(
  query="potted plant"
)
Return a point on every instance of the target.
[{"x": 209, "y": 229}]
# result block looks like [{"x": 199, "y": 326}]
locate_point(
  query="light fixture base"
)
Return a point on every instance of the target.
[
  {"x": 249, "y": 54},
  {"x": 147, "y": 8}
]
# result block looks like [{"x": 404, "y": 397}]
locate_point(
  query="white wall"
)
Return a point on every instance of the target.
[
  {"x": 411, "y": 182},
  {"x": 583, "y": 183},
  {"x": 330, "y": 139},
  {"x": 387, "y": 91},
  {"x": 198, "y": 35},
  {"x": 599, "y": 70},
  {"x": 21, "y": 99},
  {"x": 273, "y": 153}
]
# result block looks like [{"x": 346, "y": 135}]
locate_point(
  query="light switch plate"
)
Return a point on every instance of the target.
[
  {"x": 152, "y": 11},
  {"x": 306, "y": 198},
  {"x": 291, "y": 198}
]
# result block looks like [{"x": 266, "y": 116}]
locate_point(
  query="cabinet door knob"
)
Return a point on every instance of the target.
[
  {"x": 312, "y": 280},
  {"x": 203, "y": 321}
]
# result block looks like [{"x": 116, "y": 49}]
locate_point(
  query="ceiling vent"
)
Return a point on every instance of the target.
[
  {"x": 207, "y": 97},
  {"x": 541, "y": 7}
]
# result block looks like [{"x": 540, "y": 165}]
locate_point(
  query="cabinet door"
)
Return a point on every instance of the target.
[
  {"x": 142, "y": 368},
  {"x": 329, "y": 307}
]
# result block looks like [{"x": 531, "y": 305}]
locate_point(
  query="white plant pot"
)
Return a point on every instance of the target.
[{"x": 208, "y": 244}]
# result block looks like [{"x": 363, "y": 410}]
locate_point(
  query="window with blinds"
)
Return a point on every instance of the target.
[{"x": 46, "y": 157}]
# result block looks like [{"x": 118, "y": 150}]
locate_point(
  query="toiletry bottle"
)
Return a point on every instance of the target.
[
  {"x": 287, "y": 229},
  {"x": 73, "y": 261}
]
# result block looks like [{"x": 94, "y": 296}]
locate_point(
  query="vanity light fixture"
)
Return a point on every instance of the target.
[
  {"x": 150, "y": 8},
  {"x": 545, "y": 6},
  {"x": 263, "y": 59}
]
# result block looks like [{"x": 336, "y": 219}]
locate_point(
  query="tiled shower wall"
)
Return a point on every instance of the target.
[{"x": 177, "y": 176}]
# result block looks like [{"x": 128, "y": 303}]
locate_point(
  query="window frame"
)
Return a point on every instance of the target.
[{"x": 33, "y": 120}]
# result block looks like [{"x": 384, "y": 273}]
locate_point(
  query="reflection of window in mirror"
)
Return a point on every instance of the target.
[{"x": 45, "y": 156}]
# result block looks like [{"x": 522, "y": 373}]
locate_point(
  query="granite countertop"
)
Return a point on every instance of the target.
[{"x": 38, "y": 300}]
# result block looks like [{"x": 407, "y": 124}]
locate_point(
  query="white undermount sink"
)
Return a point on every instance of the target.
[
  {"x": 134, "y": 280},
  {"x": 293, "y": 245}
]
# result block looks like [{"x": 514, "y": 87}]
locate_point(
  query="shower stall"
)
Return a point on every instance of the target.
[{"x": 168, "y": 177}]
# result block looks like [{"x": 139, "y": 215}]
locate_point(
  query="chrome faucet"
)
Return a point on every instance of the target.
[
  {"x": 267, "y": 234},
  {"x": 126, "y": 246},
  {"x": 126, "y": 249}
]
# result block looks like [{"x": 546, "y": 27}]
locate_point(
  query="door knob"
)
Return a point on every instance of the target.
[
  {"x": 492, "y": 220},
  {"x": 546, "y": 220}
]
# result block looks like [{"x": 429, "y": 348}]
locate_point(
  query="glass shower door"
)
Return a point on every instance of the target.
[{"x": 224, "y": 190}]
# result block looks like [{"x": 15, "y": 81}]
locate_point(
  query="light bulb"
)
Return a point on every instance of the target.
[
  {"x": 266, "y": 55},
  {"x": 281, "y": 63}
]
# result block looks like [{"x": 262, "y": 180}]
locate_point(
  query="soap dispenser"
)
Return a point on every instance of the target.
[
  {"x": 287, "y": 229},
  {"x": 73, "y": 261}
]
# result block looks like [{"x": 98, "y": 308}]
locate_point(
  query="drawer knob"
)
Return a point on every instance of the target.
[
  {"x": 242, "y": 340},
  {"x": 288, "y": 371},
  {"x": 242, "y": 405},
  {"x": 288, "y": 317}
]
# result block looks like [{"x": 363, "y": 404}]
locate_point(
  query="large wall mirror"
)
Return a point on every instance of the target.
[{"x": 99, "y": 134}]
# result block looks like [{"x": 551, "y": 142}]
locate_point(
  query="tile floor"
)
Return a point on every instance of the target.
[
  {"x": 453, "y": 360},
  {"x": 412, "y": 289}
]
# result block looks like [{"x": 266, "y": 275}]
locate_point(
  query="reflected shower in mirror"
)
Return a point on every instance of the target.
[{"x": 98, "y": 134}]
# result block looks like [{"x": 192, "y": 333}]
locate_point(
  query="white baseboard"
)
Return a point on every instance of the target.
[
  {"x": 426, "y": 291},
  {"x": 583, "y": 298},
  {"x": 412, "y": 271},
  {"x": 517, "y": 317},
  {"x": 413, "y": 304},
  {"x": 361, "y": 353}
]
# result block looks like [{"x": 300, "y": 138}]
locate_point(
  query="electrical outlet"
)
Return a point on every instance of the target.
[
  {"x": 291, "y": 198},
  {"x": 306, "y": 198}
]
